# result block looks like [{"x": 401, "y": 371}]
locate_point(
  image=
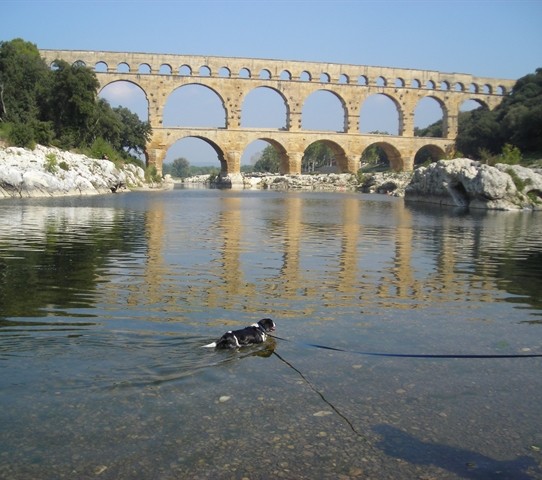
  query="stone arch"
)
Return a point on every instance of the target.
[
  {"x": 285, "y": 75},
  {"x": 144, "y": 69},
  {"x": 320, "y": 103},
  {"x": 224, "y": 72},
  {"x": 185, "y": 71},
  {"x": 100, "y": 67},
  {"x": 396, "y": 162},
  {"x": 472, "y": 104},
  {"x": 434, "y": 109},
  {"x": 165, "y": 69},
  {"x": 372, "y": 110},
  {"x": 128, "y": 94},
  {"x": 339, "y": 161},
  {"x": 429, "y": 154},
  {"x": 123, "y": 67},
  {"x": 224, "y": 167},
  {"x": 205, "y": 104},
  {"x": 284, "y": 167},
  {"x": 269, "y": 97},
  {"x": 265, "y": 74}
]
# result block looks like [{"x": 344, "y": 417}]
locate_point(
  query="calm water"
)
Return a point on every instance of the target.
[{"x": 105, "y": 302}]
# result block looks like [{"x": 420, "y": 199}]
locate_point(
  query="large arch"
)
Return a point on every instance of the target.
[
  {"x": 198, "y": 106},
  {"x": 268, "y": 100},
  {"x": 213, "y": 146},
  {"x": 428, "y": 111},
  {"x": 324, "y": 110},
  {"x": 376, "y": 110},
  {"x": 124, "y": 93},
  {"x": 339, "y": 158}
]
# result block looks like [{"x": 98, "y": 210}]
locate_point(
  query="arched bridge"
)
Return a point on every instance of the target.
[{"x": 232, "y": 79}]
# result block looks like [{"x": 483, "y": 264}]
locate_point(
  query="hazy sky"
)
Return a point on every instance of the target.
[{"x": 489, "y": 38}]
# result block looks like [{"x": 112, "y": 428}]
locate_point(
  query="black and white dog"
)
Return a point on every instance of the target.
[{"x": 256, "y": 333}]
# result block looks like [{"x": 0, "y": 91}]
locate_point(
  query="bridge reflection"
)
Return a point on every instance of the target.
[{"x": 276, "y": 265}]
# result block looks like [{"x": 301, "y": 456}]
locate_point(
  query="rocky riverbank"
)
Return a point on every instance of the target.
[
  {"x": 47, "y": 171},
  {"x": 50, "y": 172},
  {"x": 470, "y": 184}
]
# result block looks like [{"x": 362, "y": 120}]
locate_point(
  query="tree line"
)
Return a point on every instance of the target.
[{"x": 58, "y": 105}]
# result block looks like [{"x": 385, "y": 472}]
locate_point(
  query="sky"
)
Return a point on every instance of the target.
[{"x": 488, "y": 38}]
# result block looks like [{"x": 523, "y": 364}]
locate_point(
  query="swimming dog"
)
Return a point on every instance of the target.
[{"x": 256, "y": 333}]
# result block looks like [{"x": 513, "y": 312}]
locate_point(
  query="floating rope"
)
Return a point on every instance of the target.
[{"x": 416, "y": 355}]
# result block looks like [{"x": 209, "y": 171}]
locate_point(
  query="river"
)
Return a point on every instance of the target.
[{"x": 107, "y": 300}]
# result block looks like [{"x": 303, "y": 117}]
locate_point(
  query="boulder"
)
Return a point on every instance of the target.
[
  {"x": 47, "y": 171},
  {"x": 463, "y": 182}
]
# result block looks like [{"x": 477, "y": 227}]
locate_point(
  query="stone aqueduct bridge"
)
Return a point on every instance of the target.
[{"x": 158, "y": 75}]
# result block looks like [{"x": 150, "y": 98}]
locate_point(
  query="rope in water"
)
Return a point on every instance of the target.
[{"x": 416, "y": 355}]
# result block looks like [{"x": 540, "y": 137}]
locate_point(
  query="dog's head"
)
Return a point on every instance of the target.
[{"x": 267, "y": 324}]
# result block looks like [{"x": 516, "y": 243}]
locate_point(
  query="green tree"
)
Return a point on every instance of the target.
[
  {"x": 180, "y": 168},
  {"x": 23, "y": 81},
  {"x": 134, "y": 133},
  {"x": 72, "y": 103},
  {"x": 317, "y": 155},
  {"x": 269, "y": 161}
]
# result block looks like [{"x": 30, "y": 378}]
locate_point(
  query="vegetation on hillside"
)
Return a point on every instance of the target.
[
  {"x": 512, "y": 130},
  {"x": 59, "y": 106}
]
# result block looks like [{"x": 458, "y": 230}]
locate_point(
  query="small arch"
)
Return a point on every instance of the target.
[
  {"x": 430, "y": 85},
  {"x": 344, "y": 79},
  {"x": 204, "y": 71},
  {"x": 473, "y": 88},
  {"x": 459, "y": 87},
  {"x": 185, "y": 71},
  {"x": 324, "y": 77},
  {"x": 285, "y": 75},
  {"x": 444, "y": 85},
  {"x": 123, "y": 67},
  {"x": 79, "y": 63},
  {"x": 399, "y": 82},
  {"x": 500, "y": 90},
  {"x": 362, "y": 80},
  {"x": 165, "y": 69},
  {"x": 144, "y": 68},
  {"x": 265, "y": 74},
  {"x": 415, "y": 83},
  {"x": 380, "y": 82},
  {"x": 224, "y": 72},
  {"x": 244, "y": 73},
  {"x": 100, "y": 67},
  {"x": 486, "y": 89},
  {"x": 305, "y": 76}
]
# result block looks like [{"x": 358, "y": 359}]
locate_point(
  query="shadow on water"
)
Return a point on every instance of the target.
[{"x": 464, "y": 463}]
